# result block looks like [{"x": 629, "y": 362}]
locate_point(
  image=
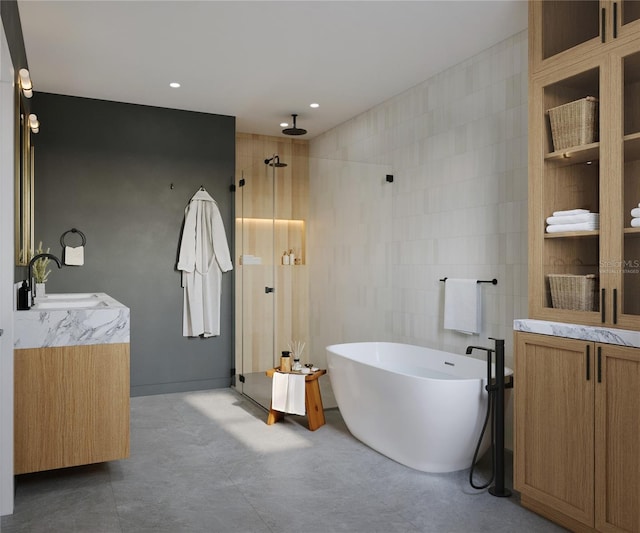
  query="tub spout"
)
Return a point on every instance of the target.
[{"x": 471, "y": 348}]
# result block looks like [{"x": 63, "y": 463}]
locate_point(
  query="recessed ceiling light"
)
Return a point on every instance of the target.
[
  {"x": 174, "y": 84},
  {"x": 284, "y": 124},
  {"x": 314, "y": 105}
]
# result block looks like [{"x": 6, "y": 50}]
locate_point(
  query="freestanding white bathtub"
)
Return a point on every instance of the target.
[{"x": 421, "y": 407}]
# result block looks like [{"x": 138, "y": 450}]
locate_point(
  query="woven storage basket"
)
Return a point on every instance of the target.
[
  {"x": 573, "y": 291},
  {"x": 575, "y": 123}
]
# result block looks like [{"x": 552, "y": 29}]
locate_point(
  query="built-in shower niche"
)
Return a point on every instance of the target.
[{"x": 268, "y": 241}]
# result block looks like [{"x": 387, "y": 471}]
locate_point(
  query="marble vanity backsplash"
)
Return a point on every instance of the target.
[
  {"x": 40, "y": 328},
  {"x": 622, "y": 337}
]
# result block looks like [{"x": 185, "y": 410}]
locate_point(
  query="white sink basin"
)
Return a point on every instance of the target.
[
  {"x": 71, "y": 296},
  {"x": 68, "y": 304},
  {"x": 79, "y": 300}
]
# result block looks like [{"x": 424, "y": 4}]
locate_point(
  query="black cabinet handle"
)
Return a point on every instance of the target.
[
  {"x": 603, "y": 314},
  {"x": 588, "y": 362},
  {"x": 599, "y": 364},
  {"x": 615, "y": 20},
  {"x": 615, "y": 306},
  {"x": 603, "y": 25}
]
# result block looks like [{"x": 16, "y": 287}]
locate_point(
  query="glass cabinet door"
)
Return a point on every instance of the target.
[
  {"x": 629, "y": 266},
  {"x": 629, "y": 16},
  {"x": 568, "y": 24},
  {"x": 569, "y": 30},
  {"x": 563, "y": 27}
]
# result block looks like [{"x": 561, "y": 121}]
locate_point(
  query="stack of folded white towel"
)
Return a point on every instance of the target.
[
  {"x": 635, "y": 217},
  {"x": 574, "y": 220}
]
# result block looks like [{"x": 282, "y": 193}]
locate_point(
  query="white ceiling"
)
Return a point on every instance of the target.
[{"x": 259, "y": 61}]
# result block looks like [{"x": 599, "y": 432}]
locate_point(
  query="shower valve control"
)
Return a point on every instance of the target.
[{"x": 267, "y": 290}]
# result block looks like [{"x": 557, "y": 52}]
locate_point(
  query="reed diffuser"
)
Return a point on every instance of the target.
[{"x": 296, "y": 348}]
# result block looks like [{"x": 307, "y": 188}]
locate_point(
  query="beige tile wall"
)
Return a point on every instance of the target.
[{"x": 457, "y": 147}]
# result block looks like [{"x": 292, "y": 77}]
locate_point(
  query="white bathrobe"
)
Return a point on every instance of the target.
[{"x": 204, "y": 256}]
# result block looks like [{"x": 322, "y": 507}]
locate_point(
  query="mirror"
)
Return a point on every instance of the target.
[{"x": 24, "y": 161}]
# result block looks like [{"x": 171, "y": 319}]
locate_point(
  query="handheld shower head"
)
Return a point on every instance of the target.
[
  {"x": 295, "y": 130},
  {"x": 274, "y": 162}
]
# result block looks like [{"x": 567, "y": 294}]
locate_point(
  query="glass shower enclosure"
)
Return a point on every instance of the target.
[{"x": 271, "y": 274}]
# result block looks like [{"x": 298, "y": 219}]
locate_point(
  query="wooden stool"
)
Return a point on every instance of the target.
[{"x": 312, "y": 400}]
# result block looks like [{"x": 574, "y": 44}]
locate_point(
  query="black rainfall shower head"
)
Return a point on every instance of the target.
[
  {"x": 274, "y": 162},
  {"x": 294, "y": 130}
]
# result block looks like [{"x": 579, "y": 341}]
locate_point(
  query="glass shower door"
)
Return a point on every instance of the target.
[{"x": 255, "y": 301}]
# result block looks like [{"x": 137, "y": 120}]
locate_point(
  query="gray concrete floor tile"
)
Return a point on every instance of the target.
[{"x": 207, "y": 462}]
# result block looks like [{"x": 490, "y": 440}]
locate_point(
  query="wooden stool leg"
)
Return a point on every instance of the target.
[
  {"x": 313, "y": 403},
  {"x": 274, "y": 416}
]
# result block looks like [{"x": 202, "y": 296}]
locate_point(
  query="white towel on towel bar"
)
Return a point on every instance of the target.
[
  {"x": 462, "y": 305},
  {"x": 287, "y": 393},
  {"x": 74, "y": 256}
]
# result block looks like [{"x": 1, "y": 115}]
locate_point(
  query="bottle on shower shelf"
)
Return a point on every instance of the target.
[
  {"x": 285, "y": 258},
  {"x": 292, "y": 257}
]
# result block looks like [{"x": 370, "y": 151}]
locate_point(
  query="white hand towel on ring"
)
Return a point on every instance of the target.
[
  {"x": 74, "y": 256},
  {"x": 462, "y": 305}
]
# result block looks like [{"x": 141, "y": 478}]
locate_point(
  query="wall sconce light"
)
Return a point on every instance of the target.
[
  {"x": 25, "y": 82},
  {"x": 34, "y": 124}
]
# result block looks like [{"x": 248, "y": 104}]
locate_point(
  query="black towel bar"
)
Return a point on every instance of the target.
[{"x": 493, "y": 281}]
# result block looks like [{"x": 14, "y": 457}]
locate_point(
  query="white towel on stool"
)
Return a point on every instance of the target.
[
  {"x": 287, "y": 393},
  {"x": 295, "y": 395},
  {"x": 462, "y": 305},
  {"x": 279, "y": 389},
  {"x": 74, "y": 256}
]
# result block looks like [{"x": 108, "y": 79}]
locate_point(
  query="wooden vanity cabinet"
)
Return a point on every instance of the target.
[
  {"x": 617, "y": 438},
  {"x": 577, "y": 432},
  {"x": 71, "y": 406},
  {"x": 554, "y": 459}
]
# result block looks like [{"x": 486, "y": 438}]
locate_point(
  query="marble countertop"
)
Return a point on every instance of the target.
[
  {"x": 622, "y": 337},
  {"x": 40, "y": 328}
]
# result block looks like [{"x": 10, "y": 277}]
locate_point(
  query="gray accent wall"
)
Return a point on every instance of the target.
[{"x": 123, "y": 175}]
